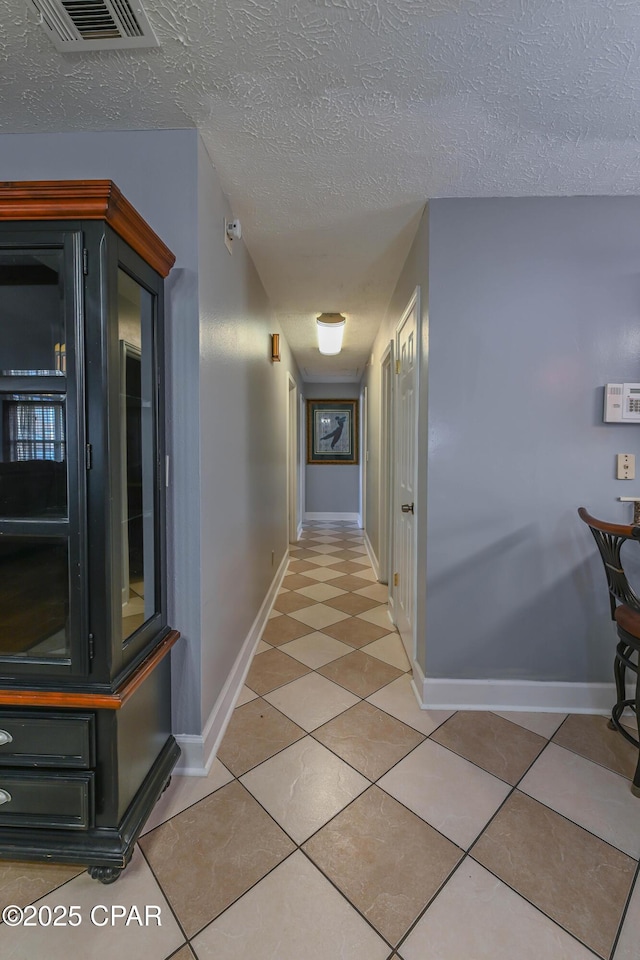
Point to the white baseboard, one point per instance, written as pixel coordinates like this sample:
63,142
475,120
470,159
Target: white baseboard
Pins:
517,695
198,752
299,531
372,556
329,517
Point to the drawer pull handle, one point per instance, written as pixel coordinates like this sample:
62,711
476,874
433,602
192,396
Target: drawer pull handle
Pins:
5,737
5,796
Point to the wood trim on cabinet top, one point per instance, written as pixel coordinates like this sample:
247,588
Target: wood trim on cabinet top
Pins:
92,701
85,200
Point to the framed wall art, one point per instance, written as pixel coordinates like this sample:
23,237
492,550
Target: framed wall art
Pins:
332,431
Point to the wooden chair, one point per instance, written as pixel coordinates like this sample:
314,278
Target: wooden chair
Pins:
625,610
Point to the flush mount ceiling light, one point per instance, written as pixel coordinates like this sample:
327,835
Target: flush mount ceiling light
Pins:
330,331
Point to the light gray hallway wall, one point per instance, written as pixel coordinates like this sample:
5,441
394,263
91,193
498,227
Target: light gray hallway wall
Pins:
243,453
534,305
332,488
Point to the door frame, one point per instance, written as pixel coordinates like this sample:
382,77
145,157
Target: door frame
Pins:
385,482
302,490
364,454
292,459
414,303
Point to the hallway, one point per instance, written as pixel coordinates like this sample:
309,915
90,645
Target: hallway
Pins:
340,821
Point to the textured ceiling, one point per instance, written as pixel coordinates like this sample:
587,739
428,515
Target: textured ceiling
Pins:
330,122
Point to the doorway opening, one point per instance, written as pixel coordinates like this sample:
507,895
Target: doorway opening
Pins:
404,500
292,460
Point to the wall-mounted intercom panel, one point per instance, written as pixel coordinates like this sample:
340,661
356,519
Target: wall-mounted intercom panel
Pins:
622,403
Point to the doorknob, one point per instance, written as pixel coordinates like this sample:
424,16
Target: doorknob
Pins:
407,508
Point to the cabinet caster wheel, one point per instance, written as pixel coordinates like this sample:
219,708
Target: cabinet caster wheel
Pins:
104,874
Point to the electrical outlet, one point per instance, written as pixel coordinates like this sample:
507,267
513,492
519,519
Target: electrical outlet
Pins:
626,466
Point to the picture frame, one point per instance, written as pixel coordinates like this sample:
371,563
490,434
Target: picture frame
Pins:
332,431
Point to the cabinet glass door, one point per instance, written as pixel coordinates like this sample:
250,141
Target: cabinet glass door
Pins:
36,327
138,454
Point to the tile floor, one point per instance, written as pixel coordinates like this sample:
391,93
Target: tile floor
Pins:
340,822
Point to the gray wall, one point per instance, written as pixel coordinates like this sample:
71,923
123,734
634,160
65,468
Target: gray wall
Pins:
533,305
227,402
243,452
332,488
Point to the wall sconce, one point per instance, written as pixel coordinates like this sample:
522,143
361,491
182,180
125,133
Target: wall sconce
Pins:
275,347
330,333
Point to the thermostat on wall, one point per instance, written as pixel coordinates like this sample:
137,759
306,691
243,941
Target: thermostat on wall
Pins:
622,403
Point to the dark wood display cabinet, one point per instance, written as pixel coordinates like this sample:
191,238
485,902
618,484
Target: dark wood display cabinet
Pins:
85,727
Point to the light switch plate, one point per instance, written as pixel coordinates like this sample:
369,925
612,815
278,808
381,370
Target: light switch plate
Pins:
626,466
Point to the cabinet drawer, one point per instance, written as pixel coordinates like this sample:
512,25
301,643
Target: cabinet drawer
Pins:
43,799
46,740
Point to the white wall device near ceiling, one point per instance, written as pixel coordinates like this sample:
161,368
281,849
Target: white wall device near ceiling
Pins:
84,25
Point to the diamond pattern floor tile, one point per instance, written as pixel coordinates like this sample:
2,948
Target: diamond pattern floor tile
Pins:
450,793
407,860
283,629
300,566
498,746
349,582
627,946
242,845
316,649
293,913
273,669
256,731
319,616
303,787
544,724
378,615
359,673
592,738
376,591
322,574
183,792
587,793
368,739
389,649
293,581
559,852
399,700
291,601
498,924
312,700
576,879
321,592
22,883
137,886
356,632
351,604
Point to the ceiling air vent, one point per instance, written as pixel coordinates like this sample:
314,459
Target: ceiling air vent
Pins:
88,25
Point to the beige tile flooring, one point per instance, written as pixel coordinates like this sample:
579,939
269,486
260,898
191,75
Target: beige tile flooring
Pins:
341,822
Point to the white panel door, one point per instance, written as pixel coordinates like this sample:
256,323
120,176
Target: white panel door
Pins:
404,500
